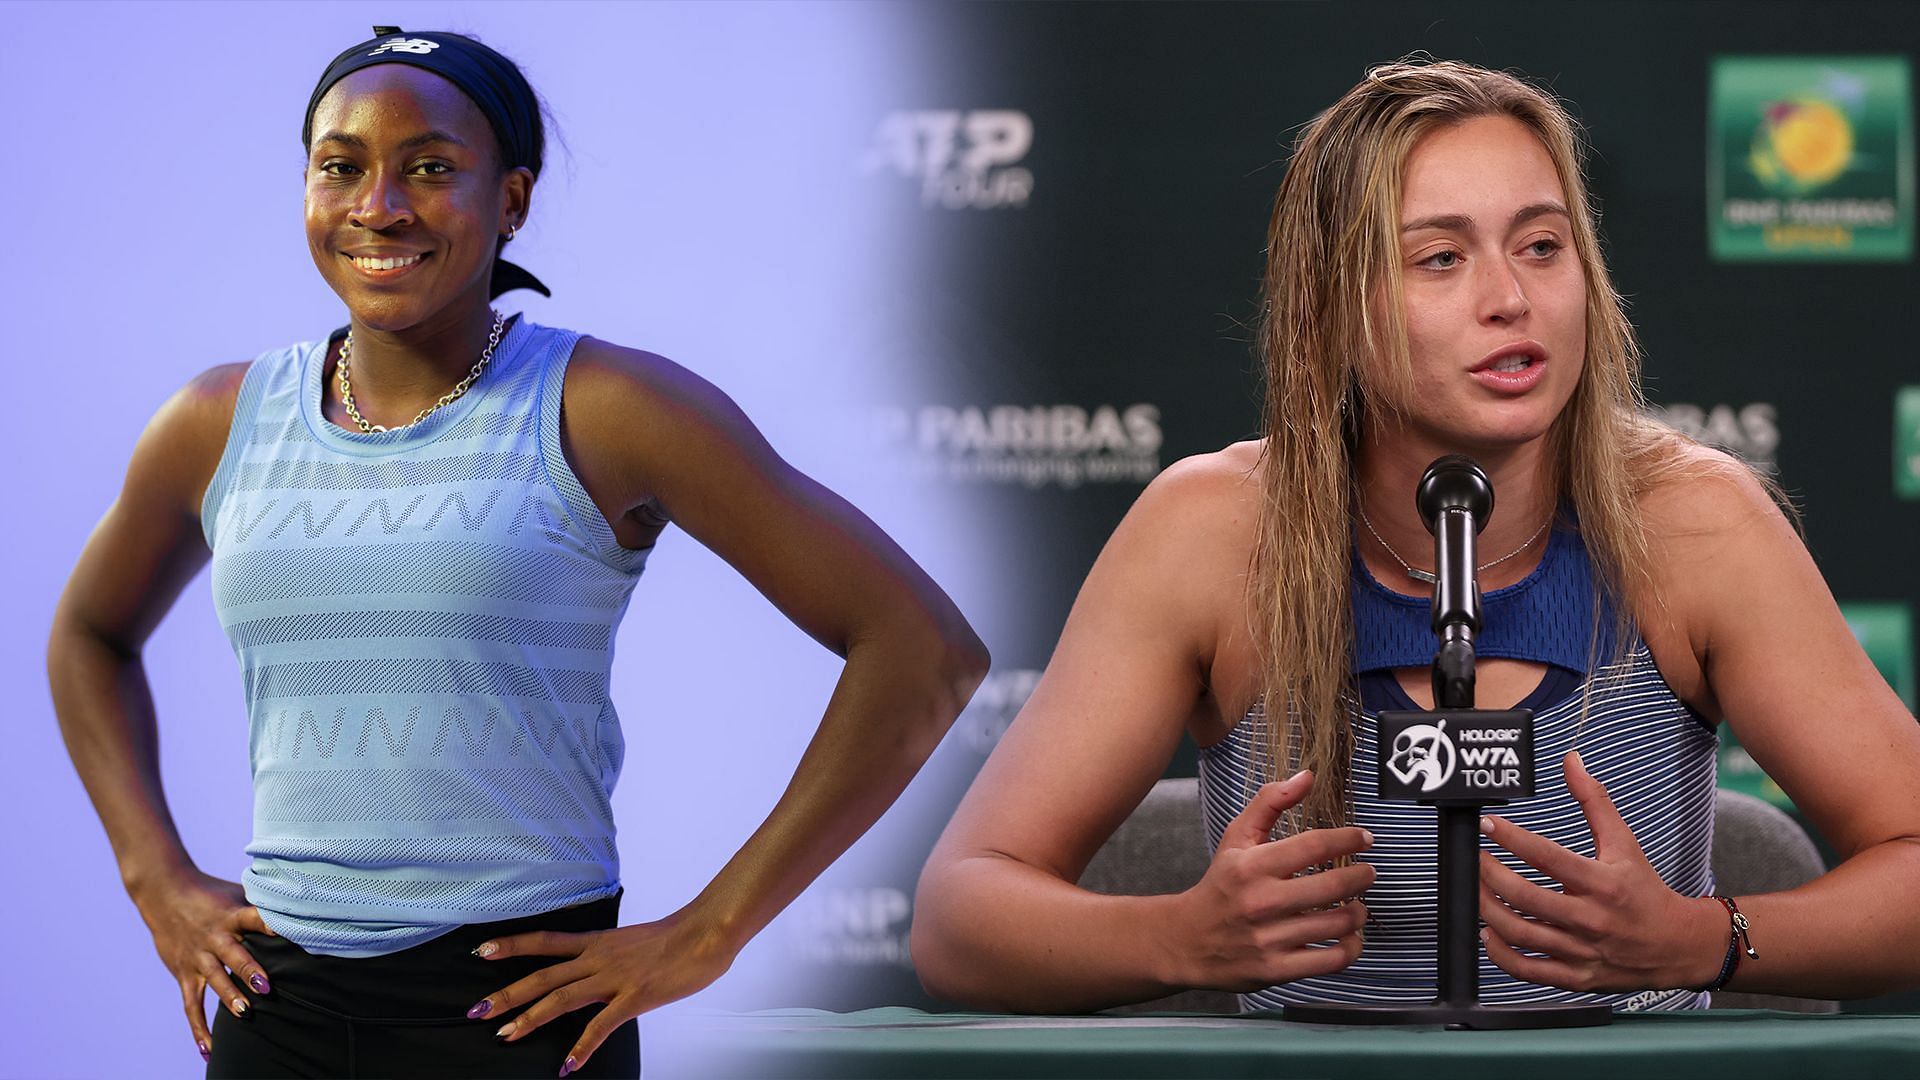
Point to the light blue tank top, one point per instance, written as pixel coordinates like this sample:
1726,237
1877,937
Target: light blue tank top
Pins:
1654,755
424,620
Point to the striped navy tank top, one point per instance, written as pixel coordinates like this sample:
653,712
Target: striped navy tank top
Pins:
424,620
1655,756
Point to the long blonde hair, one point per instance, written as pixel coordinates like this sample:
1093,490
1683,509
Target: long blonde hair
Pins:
1333,246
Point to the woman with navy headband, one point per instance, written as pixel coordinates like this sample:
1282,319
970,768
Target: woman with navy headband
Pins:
423,532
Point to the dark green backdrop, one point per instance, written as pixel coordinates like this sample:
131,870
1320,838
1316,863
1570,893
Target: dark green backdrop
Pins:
1127,279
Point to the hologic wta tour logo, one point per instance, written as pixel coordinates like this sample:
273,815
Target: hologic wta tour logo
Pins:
1482,755
1424,753
1810,158
963,160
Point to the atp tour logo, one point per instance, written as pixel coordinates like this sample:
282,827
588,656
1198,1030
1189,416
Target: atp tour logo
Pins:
1030,445
1423,752
963,160
416,46
1752,431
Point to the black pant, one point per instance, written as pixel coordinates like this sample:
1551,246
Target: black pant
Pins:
405,1013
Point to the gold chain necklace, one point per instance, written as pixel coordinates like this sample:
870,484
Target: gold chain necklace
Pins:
1426,578
448,398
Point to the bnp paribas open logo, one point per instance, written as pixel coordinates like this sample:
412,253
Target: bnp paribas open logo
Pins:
1032,446
1810,158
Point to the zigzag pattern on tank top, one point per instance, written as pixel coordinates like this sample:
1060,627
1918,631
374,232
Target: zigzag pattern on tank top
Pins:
424,620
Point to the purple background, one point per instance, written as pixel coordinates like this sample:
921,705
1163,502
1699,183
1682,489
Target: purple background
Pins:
707,204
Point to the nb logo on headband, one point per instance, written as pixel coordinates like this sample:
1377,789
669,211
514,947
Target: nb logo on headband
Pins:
417,46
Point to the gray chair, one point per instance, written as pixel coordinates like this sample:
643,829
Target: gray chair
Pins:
1162,848
1757,848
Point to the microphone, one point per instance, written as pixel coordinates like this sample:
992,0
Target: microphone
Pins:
1455,499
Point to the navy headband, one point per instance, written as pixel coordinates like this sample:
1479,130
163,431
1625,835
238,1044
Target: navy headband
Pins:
489,80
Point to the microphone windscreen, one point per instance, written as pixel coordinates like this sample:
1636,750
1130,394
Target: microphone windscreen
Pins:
1455,481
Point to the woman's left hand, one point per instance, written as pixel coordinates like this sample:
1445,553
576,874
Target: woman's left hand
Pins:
1617,926
630,968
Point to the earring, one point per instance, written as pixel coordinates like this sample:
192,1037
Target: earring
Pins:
511,230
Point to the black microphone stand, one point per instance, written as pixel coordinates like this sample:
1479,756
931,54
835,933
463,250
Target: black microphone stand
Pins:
1456,621
1456,499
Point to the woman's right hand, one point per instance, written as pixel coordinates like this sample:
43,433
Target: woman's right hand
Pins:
196,920
1252,923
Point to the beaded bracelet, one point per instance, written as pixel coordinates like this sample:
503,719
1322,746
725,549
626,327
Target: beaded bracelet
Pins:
1737,940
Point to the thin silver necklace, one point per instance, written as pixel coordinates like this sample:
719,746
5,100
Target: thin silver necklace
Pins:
1426,578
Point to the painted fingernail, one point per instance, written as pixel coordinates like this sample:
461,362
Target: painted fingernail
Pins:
1486,937
259,983
206,1055
1295,778
240,1007
506,1031
480,1010
1486,826
1367,836
486,950
568,1066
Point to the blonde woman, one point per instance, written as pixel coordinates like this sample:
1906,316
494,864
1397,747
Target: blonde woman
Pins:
1434,285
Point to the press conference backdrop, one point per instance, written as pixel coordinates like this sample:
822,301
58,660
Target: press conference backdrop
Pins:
1096,181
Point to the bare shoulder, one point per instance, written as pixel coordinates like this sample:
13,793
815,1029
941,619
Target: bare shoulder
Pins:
1182,552
603,375
1714,532
149,542
646,434
1704,499
1217,495
1233,466
181,447
221,382
208,399
1196,522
